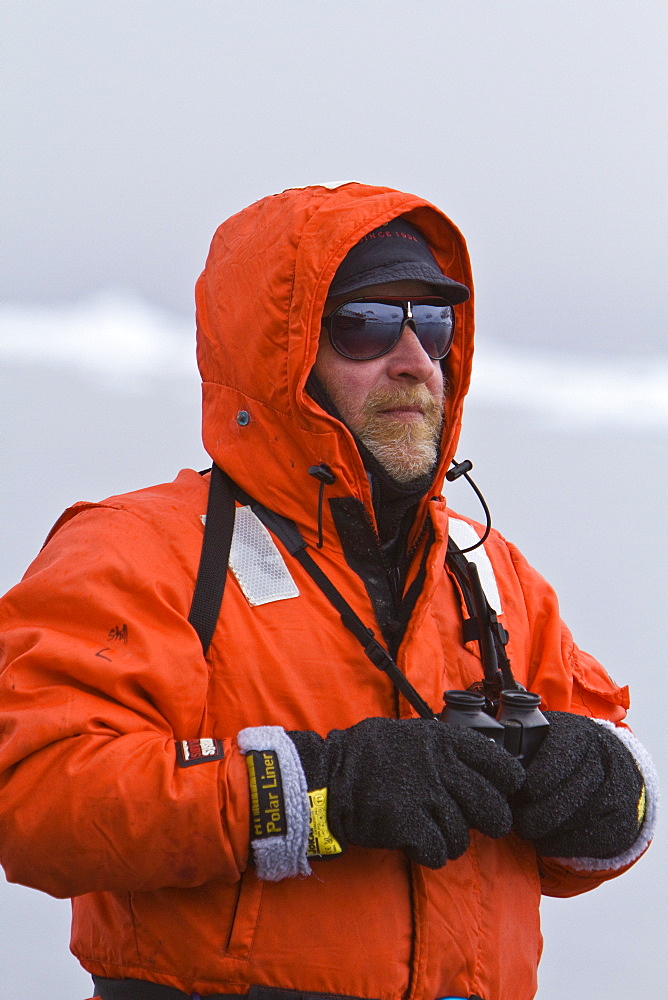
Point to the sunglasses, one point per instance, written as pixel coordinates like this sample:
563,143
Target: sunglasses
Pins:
364,329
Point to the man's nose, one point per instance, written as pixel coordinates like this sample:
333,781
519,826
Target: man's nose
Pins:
408,360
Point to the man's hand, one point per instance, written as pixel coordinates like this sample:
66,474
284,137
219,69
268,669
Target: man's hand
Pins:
411,784
584,794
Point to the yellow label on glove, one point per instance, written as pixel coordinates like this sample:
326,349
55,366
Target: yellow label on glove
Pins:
642,806
320,839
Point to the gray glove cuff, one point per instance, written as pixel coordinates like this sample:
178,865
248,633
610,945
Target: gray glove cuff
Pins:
282,856
647,830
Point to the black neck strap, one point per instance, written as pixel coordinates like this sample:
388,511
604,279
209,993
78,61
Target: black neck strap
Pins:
212,573
208,596
483,626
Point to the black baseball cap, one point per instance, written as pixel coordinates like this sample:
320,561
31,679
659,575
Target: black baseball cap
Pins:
394,252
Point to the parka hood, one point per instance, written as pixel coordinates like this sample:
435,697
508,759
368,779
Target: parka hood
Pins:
259,303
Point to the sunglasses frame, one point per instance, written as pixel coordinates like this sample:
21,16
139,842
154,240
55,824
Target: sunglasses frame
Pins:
407,304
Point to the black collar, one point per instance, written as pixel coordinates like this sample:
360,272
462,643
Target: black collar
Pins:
394,503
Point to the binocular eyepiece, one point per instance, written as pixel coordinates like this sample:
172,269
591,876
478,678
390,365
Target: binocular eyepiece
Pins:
520,727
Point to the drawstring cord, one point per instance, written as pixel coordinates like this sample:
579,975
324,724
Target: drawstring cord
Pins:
325,476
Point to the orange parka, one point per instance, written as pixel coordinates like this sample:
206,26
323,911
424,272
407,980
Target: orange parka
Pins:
102,673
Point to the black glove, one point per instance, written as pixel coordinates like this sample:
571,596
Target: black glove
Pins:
411,784
583,793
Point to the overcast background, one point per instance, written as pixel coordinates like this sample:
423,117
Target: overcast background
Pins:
131,129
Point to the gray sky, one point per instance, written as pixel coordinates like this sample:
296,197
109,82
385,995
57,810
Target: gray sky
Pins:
133,127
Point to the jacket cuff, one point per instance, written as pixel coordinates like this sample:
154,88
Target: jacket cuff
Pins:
283,855
650,778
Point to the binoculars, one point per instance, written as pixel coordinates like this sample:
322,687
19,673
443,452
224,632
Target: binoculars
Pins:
519,727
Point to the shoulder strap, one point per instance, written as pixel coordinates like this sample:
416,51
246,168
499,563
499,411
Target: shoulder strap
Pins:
212,572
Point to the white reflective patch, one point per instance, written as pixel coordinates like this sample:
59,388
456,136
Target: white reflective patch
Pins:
464,534
332,185
256,562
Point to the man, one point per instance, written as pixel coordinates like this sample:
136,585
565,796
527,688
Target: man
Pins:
278,814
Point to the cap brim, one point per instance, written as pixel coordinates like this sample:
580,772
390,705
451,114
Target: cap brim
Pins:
452,291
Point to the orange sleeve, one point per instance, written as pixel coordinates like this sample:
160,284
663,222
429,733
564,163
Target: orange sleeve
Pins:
557,879
568,680
100,674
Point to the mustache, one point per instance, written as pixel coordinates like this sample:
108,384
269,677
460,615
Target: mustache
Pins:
411,395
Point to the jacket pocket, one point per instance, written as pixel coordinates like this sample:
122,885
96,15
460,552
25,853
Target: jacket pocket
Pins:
246,913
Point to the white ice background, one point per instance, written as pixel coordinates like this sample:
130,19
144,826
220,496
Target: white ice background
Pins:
124,342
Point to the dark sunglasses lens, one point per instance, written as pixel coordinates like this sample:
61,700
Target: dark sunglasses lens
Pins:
365,330
435,325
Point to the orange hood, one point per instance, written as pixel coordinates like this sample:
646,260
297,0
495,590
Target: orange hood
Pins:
259,303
